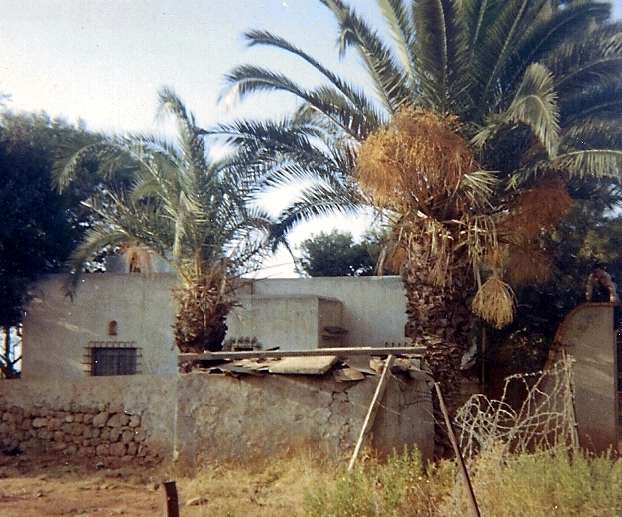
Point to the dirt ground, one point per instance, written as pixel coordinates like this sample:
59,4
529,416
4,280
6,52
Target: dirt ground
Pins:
40,487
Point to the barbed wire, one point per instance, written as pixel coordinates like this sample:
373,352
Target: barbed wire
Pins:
543,421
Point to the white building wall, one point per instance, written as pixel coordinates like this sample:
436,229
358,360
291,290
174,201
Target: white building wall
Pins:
58,330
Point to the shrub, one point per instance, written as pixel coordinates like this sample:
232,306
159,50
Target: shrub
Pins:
548,483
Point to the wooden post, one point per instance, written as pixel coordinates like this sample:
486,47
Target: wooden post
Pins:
371,412
459,458
171,501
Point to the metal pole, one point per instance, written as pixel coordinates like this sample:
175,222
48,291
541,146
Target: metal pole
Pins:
459,458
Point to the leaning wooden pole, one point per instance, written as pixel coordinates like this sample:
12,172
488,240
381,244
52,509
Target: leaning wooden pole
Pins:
170,499
371,412
457,452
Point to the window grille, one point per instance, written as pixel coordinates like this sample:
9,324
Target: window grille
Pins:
113,358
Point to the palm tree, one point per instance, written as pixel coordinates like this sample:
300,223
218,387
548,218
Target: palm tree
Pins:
197,213
483,110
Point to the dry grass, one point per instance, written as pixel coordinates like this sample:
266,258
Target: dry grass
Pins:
541,485
524,485
276,487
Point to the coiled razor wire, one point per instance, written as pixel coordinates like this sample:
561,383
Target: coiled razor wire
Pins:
543,421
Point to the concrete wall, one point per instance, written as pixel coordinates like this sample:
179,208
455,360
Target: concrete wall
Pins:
57,330
373,307
289,313
588,335
293,322
222,418
207,417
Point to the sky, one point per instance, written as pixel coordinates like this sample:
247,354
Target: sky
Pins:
103,61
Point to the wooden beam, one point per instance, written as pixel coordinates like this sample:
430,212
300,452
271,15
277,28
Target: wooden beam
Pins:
170,499
339,352
371,412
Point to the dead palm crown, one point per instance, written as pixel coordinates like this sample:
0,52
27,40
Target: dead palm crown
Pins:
484,111
196,213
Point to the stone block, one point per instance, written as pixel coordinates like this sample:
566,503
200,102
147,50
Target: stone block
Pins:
69,419
132,448
115,434
100,419
102,450
39,422
88,418
44,434
117,449
105,435
127,436
134,421
116,407
54,423
118,420
59,436
71,449
139,434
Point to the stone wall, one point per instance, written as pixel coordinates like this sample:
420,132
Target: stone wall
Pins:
111,435
105,413
201,417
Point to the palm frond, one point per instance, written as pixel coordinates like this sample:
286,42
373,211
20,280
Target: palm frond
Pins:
601,99
535,104
389,78
441,54
579,64
314,201
498,43
354,95
590,162
401,27
547,34
328,101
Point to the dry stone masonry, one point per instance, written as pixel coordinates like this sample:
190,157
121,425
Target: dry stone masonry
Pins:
107,433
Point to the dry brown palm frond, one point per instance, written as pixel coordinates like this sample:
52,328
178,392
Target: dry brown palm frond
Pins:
138,258
495,302
537,209
416,159
527,265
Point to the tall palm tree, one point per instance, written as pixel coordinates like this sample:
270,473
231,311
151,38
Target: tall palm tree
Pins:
482,112
197,213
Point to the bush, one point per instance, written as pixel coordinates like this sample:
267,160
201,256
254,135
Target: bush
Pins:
543,484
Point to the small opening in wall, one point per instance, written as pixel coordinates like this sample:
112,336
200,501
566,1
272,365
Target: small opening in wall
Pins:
112,328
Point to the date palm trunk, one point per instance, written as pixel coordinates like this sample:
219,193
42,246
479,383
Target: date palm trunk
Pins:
202,310
439,318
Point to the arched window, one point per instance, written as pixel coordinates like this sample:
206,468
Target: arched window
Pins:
112,328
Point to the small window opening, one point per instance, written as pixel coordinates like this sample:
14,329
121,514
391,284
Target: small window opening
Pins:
112,328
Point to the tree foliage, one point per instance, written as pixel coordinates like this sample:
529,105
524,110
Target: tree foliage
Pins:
522,90
40,227
337,254
177,203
